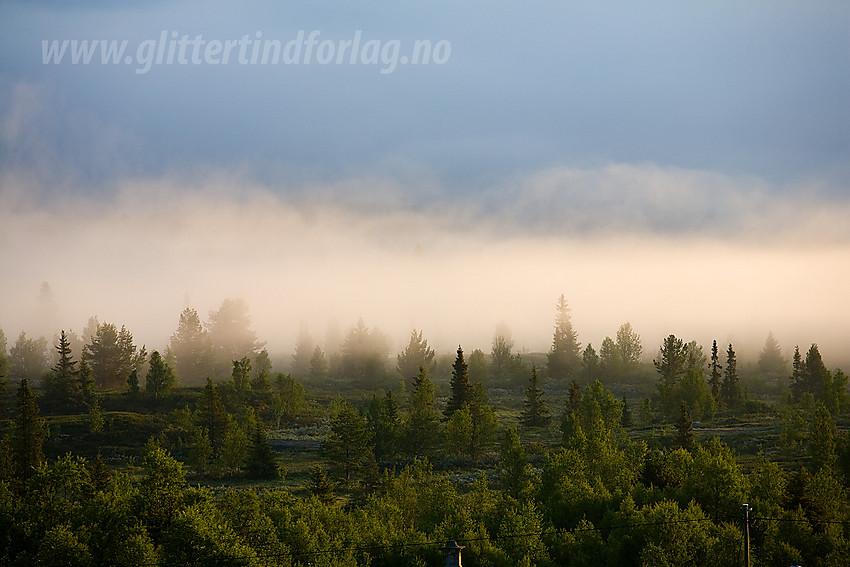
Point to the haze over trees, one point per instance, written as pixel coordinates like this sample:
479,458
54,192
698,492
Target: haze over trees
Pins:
356,462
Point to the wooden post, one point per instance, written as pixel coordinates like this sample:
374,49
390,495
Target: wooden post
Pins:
746,510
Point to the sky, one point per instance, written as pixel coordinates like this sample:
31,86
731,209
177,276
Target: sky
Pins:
683,167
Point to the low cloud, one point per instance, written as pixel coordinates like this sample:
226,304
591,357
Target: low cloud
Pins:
672,251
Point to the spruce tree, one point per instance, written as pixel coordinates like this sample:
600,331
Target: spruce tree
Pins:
626,419
536,413
714,379
213,417
685,428
771,360
797,375
62,386
730,388
86,384
423,420
563,358
460,387
160,379
261,461
417,354
28,436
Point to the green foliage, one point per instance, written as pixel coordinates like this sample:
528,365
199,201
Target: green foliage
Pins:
417,354
112,355
159,491
514,466
28,435
730,388
160,379
199,536
28,357
261,460
461,390
422,426
364,356
536,413
230,335
671,366
288,401
563,360
192,350
347,444
771,361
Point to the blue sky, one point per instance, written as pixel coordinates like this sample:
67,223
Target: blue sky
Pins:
755,88
718,127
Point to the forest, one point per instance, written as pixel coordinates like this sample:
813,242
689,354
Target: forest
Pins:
213,451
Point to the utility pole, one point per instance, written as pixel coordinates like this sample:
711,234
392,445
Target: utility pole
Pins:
746,510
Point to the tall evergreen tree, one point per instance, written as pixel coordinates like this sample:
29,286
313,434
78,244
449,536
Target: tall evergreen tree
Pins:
304,351
160,379
685,428
798,385
731,388
770,359
460,386
671,367
230,335
191,347
28,435
423,420
318,364
86,384
417,354
500,355
536,413
629,346
212,416
112,355
514,465
240,377
347,443
591,364
261,462
816,377
28,357
563,358
62,384
714,378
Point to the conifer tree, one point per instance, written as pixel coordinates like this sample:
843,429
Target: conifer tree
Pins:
347,443
62,385
714,378
261,462
536,413
318,364
423,420
191,347
685,428
85,380
160,379
460,387
731,388
770,359
671,367
816,377
626,419
28,436
797,378
212,416
563,358
133,384
320,486
417,354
